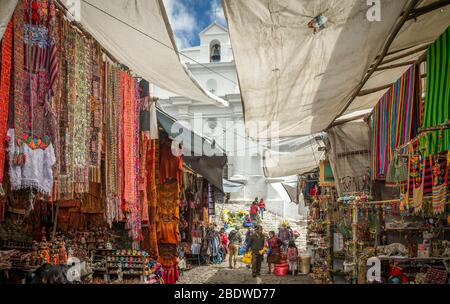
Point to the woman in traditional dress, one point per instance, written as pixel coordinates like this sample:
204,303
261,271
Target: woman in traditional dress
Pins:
274,250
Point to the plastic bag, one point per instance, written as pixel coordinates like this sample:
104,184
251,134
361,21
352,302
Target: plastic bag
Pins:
247,258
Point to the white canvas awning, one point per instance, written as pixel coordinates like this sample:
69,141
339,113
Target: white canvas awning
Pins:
138,34
291,156
296,82
6,10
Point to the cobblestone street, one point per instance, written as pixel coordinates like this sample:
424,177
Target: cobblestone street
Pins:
222,274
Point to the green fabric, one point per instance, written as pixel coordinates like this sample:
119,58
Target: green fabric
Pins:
437,105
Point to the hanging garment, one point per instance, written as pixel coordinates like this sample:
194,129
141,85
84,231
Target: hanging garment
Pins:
36,173
437,100
417,173
171,166
152,197
440,184
168,213
5,81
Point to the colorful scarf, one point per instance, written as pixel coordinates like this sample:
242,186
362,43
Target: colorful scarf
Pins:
437,102
79,79
6,57
392,123
130,154
97,116
152,173
112,146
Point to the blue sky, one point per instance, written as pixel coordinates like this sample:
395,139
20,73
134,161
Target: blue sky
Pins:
189,17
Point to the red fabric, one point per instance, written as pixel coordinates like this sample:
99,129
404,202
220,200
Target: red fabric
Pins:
254,209
224,239
4,91
171,166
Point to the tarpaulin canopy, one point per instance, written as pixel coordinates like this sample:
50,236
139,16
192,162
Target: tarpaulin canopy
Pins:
291,156
292,191
349,156
6,10
231,187
138,34
199,154
411,43
295,80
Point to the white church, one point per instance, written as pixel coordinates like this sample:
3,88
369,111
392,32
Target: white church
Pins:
212,64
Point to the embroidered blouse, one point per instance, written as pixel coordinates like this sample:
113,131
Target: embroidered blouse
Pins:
37,171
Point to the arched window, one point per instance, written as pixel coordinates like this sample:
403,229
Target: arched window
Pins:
215,51
211,85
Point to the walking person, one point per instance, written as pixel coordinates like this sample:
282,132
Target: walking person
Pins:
224,242
292,255
283,235
256,246
274,256
262,207
254,211
235,240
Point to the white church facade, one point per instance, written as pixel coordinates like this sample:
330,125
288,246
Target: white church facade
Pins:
212,64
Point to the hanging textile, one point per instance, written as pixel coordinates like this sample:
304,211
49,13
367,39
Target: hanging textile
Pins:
129,155
5,77
153,161
96,108
35,69
168,213
144,147
437,100
440,184
349,157
128,140
113,106
392,123
171,166
417,178
79,79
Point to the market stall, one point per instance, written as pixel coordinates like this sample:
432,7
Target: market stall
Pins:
88,172
385,218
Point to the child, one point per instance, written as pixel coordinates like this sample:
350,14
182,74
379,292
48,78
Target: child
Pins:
292,255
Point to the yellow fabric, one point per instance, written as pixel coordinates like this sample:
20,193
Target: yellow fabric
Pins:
247,258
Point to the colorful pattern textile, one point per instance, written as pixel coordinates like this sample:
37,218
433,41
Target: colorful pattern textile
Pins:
171,166
36,173
36,66
153,156
168,213
437,101
392,122
5,74
440,184
134,206
96,108
128,139
113,175
79,78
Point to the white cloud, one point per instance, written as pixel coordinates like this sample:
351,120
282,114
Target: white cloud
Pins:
184,24
219,14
